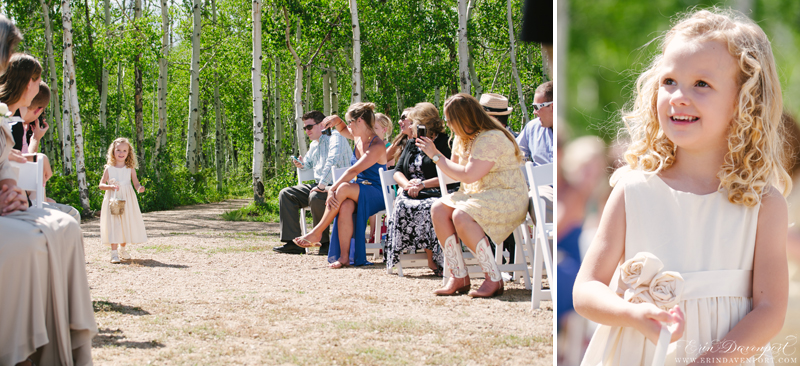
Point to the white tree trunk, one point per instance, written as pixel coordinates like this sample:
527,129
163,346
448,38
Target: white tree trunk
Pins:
219,139
161,137
120,77
514,63
66,126
278,130
357,88
258,113
298,108
192,150
326,90
51,62
138,84
104,80
473,76
463,48
307,104
334,91
83,188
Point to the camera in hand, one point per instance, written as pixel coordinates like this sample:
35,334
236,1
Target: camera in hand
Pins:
420,131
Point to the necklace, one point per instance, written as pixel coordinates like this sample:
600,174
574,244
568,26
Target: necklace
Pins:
468,144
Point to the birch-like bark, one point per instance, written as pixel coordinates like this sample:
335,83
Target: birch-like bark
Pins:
104,77
258,114
357,88
120,77
192,150
138,95
66,126
69,63
513,54
473,76
334,91
51,62
161,137
219,139
278,130
463,48
326,90
307,105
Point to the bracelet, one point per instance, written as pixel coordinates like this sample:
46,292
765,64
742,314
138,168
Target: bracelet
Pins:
423,184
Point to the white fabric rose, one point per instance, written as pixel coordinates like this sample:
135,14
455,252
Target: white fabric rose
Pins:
4,110
638,295
640,269
666,289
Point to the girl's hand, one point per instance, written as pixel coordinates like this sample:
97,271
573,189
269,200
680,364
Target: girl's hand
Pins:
38,132
649,317
140,190
426,145
332,202
12,198
331,121
17,156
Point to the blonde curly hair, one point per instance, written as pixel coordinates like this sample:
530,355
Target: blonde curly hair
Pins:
755,137
130,161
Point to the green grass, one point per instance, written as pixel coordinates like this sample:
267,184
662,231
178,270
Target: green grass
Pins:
238,249
158,248
269,211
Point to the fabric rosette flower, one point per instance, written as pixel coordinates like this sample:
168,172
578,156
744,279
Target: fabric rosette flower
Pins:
666,289
4,112
639,295
639,270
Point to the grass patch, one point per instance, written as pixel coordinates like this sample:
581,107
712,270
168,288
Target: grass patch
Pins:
158,248
238,249
511,340
269,211
401,326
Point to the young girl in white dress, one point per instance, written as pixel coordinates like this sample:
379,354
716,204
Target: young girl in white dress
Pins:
120,178
690,254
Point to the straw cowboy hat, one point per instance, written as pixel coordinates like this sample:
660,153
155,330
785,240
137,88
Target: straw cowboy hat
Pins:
495,104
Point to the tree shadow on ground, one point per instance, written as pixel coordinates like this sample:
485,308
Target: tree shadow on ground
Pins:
153,263
106,306
114,338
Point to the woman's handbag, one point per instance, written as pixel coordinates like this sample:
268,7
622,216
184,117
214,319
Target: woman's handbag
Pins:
116,205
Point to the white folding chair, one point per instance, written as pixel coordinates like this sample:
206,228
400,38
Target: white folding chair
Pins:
376,247
540,176
302,176
416,259
30,177
519,266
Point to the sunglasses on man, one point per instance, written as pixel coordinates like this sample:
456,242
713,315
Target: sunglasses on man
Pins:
309,127
538,106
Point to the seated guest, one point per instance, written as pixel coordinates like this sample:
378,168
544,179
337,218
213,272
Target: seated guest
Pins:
496,106
410,227
396,147
46,313
349,205
328,149
492,199
536,139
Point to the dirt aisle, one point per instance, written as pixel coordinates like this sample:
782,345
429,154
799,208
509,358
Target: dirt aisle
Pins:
211,292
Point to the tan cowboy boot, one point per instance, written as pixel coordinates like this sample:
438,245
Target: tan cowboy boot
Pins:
493,284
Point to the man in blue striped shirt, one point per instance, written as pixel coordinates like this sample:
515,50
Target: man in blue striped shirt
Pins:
328,149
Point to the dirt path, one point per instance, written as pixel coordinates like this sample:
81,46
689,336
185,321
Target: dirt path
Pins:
211,292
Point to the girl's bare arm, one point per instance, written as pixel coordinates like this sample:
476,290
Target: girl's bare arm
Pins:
104,182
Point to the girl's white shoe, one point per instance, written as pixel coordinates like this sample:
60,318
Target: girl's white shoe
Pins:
114,257
124,253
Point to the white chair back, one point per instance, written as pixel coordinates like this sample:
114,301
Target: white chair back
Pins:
387,181
31,178
302,176
338,172
541,176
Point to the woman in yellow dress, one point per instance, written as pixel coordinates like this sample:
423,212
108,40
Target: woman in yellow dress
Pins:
492,200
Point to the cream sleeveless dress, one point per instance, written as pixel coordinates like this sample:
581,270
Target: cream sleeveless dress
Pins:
127,228
705,238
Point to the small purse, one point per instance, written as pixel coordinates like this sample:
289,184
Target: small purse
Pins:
116,205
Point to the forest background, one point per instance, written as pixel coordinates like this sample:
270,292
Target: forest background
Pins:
209,91
606,44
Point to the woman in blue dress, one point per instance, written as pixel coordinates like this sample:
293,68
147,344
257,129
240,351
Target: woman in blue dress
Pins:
349,205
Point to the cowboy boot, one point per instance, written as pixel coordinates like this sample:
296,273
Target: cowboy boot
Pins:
493,284
458,283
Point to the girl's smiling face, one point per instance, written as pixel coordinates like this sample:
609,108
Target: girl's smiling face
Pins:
121,152
697,93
